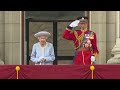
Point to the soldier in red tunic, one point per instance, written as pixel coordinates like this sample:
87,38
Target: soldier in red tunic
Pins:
84,41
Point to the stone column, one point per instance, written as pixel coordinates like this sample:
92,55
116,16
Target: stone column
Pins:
111,33
116,48
90,20
98,25
12,37
2,39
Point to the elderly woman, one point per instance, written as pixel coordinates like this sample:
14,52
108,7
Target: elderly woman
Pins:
43,51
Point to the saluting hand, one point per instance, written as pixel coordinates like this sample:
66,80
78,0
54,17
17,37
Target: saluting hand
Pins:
73,24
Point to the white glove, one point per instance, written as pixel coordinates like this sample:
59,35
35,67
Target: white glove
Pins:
74,23
92,58
39,60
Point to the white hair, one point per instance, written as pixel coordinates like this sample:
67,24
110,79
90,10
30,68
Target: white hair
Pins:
43,35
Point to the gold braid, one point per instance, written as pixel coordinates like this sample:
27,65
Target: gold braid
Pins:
78,38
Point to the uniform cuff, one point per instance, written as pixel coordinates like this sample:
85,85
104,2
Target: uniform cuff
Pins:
69,27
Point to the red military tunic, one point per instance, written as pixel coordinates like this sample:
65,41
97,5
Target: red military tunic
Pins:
85,45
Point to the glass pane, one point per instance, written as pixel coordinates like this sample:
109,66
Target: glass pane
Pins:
35,27
65,47
54,15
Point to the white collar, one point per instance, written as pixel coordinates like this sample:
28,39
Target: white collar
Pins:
44,46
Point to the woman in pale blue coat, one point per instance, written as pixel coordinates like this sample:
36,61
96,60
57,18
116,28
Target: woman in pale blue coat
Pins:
43,51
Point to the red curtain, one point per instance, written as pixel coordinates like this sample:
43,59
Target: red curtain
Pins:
107,71
55,72
7,72
60,72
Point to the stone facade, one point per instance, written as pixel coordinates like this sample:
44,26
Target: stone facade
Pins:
102,22
10,37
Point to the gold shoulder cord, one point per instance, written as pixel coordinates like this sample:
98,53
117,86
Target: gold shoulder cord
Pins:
78,38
